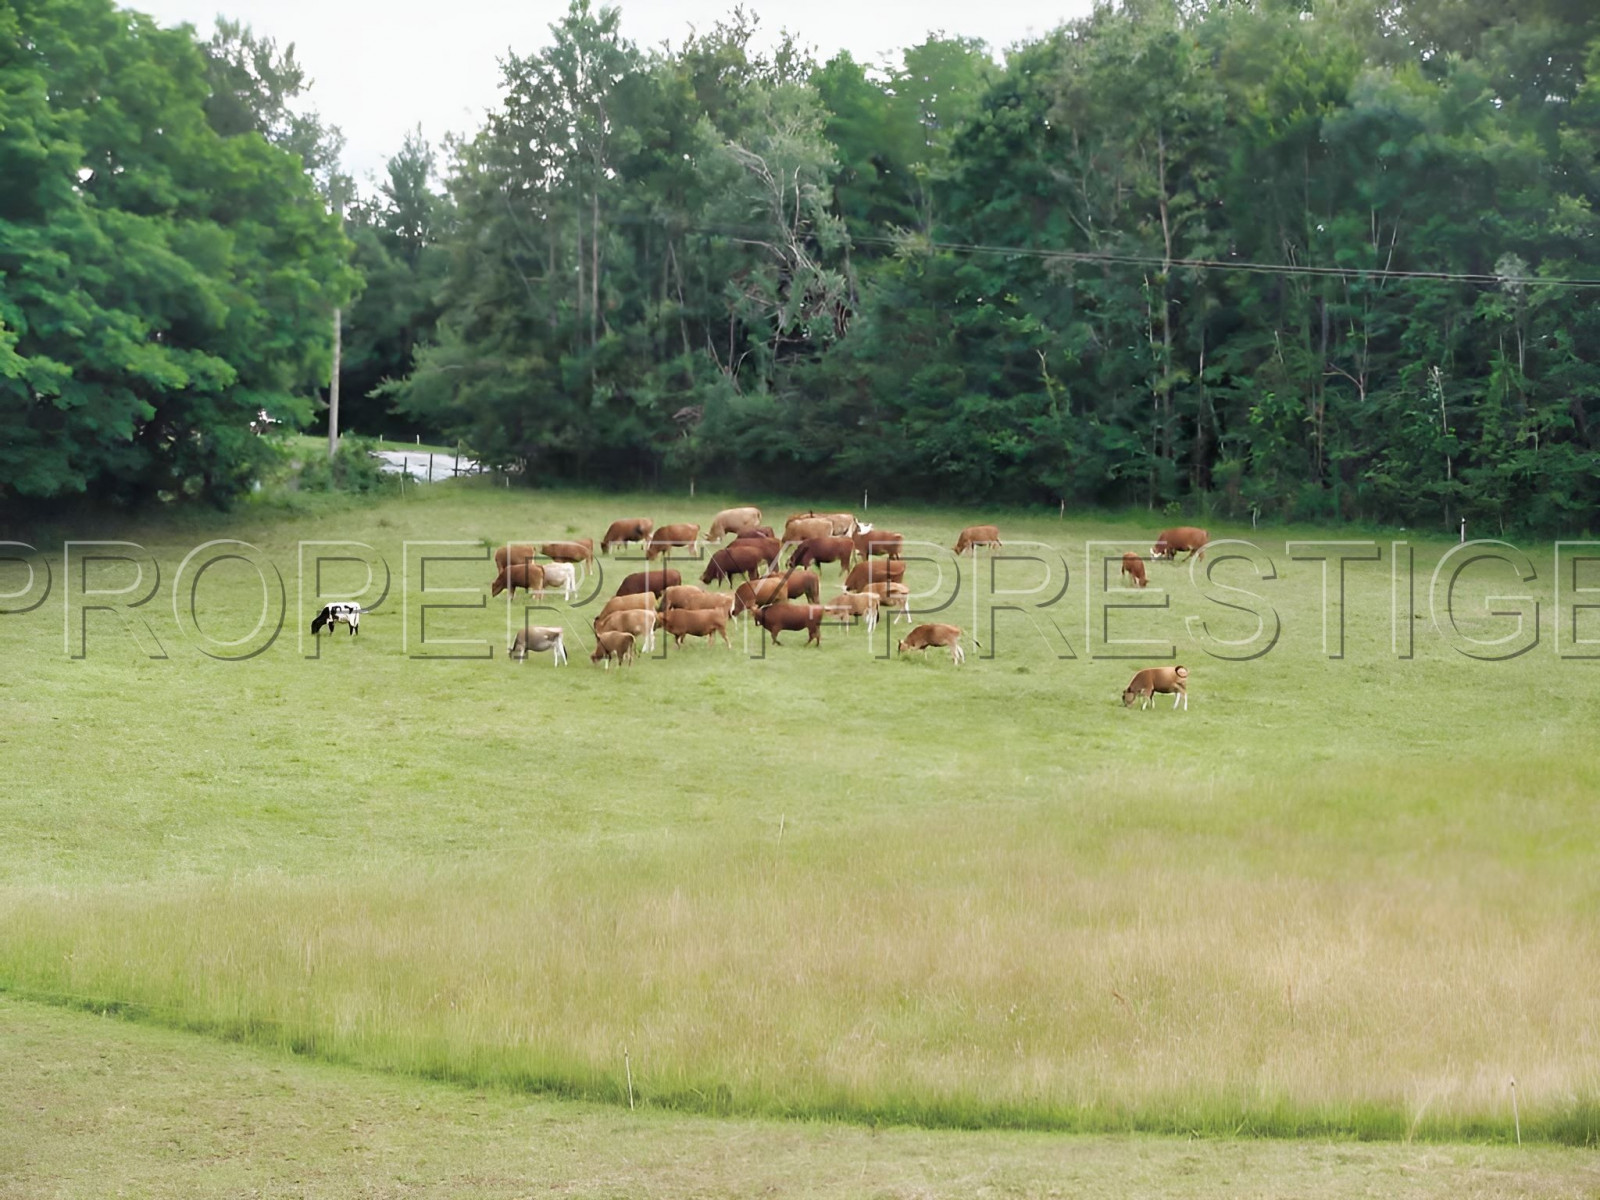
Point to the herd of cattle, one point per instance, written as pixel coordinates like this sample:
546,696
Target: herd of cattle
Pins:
770,591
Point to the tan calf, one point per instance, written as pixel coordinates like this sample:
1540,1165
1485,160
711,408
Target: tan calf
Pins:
896,596
924,636
977,535
639,622
851,606
1133,567
1166,680
617,644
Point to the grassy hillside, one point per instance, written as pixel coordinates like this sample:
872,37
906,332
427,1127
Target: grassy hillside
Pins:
1349,895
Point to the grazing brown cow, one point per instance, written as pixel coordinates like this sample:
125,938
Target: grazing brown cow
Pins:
515,552
839,523
578,551
769,589
813,551
870,541
863,573
851,606
641,622
1133,565
771,547
977,535
924,636
639,602
528,576
733,520
678,597
799,529
776,618
650,581
668,536
630,529
537,639
799,583
615,643
699,601
702,622
1166,680
1185,537
747,558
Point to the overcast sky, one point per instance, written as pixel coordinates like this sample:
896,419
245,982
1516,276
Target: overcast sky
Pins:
381,67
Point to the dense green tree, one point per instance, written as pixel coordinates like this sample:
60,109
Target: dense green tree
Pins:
160,284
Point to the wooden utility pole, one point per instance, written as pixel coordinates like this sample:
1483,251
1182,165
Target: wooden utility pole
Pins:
338,340
333,387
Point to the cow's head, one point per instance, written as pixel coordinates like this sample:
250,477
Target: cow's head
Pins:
864,527
1161,550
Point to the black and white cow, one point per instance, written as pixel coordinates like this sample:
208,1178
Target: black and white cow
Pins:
344,611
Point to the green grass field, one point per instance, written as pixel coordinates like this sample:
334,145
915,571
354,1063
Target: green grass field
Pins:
1346,897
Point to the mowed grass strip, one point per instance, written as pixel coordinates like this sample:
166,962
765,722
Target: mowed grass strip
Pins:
1352,895
98,1107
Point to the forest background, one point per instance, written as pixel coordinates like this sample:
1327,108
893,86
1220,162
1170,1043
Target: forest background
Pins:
1307,259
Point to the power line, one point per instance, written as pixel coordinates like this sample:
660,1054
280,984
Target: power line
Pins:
1114,258
1097,257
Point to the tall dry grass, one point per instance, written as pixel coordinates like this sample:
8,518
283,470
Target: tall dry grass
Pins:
965,968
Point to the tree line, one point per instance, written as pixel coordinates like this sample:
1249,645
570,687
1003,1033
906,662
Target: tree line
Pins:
1306,258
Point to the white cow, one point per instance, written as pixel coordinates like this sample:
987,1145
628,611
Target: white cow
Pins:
539,638
563,576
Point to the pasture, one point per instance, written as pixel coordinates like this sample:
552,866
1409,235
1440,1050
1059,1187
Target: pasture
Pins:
1346,897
